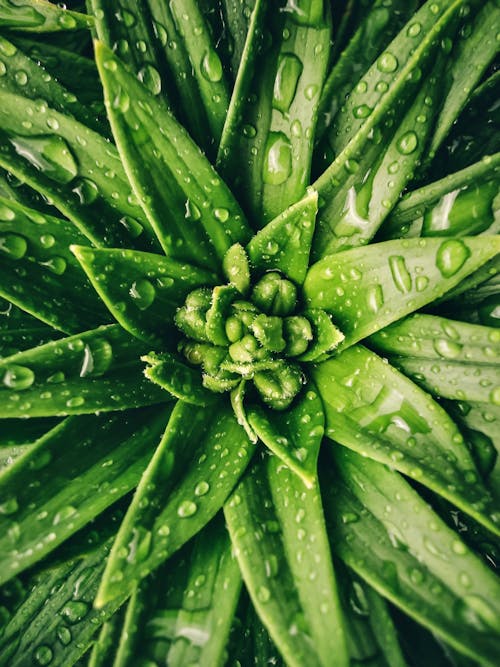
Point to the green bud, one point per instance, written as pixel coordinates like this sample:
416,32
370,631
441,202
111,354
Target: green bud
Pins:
297,332
278,387
199,299
192,323
268,330
245,350
234,328
275,295
236,268
221,383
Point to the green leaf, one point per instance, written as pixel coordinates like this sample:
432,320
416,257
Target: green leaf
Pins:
106,459
103,649
371,408
236,268
266,151
467,64
326,336
182,614
41,16
73,166
461,204
448,358
386,281
294,436
180,380
285,242
277,526
39,273
420,565
20,331
99,370
24,76
169,173
142,290
181,490
21,432
350,214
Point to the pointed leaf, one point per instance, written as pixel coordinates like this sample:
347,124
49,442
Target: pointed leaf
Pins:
326,336
236,268
294,435
105,461
178,379
371,408
41,16
285,242
141,290
461,204
39,273
277,526
20,331
203,219
181,490
74,167
103,649
99,370
388,280
237,402
36,84
420,565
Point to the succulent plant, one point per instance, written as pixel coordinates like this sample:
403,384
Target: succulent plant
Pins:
249,372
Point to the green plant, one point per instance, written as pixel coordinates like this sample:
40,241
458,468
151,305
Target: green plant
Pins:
249,377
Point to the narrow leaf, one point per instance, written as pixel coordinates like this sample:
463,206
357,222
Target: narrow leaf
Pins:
180,380
41,16
388,280
181,490
371,408
295,435
104,648
142,290
285,242
277,526
39,273
420,565
105,461
73,166
204,219
99,370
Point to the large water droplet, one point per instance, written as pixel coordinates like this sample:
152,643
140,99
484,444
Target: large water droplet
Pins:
49,154
13,245
408,143
151,78
451,256
186,509
86,190
18,377
285,84
447,348
43,655
278,159
74,611
387,62
400,274
211,66
143,293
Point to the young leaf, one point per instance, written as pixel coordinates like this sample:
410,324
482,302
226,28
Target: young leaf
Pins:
99,370
105,461
181,490
285,242
277,526
371,408
39,273
420,565
180,380
142,290
76,168
386,281
448,358
204,219
104,648
41,16
294,436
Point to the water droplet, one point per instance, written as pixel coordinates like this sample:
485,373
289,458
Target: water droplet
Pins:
375,298
211,66
75,402
47,241
407,143
451,256
201,488
9,506
151,78
186,509
143,293
447,348
49,154
387,62
495,396
421,283
222,214
86,190
278,159
13,245
192,212
44,655
310,92
74,611
56,265
18,377
63,514
21,77
363,111
400,274
64,635
133,227
414,29
285,84
349,517
67,21
6,213
263,594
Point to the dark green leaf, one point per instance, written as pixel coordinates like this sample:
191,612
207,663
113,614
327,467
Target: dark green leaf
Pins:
104,648
41,16
387,534
99,370
203,453
180,380
371,408
365,289
277,527
105,460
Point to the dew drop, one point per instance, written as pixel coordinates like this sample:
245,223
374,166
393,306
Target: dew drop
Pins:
387,62
408,143
43,655
13,245
451,256
286,81
49,154
278,159
18,377
186,509
143,293
74,611
211,66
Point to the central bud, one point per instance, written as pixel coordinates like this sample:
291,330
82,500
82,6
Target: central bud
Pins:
258,338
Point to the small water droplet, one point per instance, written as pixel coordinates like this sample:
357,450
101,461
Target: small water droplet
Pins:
447,348
408,143
186,509
201,488
9,506
74,611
